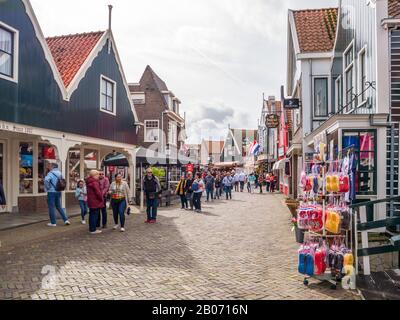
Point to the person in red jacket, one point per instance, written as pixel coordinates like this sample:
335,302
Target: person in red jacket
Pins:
95,200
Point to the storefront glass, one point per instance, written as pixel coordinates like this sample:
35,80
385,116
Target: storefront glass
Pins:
363,145
47,154
90,161
26,168
74,167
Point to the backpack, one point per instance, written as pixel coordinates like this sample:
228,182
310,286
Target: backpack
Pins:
61,184
195,186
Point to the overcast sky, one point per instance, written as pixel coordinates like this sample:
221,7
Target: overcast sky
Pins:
217,56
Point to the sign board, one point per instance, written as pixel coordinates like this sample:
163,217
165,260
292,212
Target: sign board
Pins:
291,103
111,169
281,151
190,168
272,121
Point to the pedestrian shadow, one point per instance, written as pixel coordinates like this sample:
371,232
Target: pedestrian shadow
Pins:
206,213
112,255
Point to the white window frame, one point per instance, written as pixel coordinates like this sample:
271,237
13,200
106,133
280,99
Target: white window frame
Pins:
346,69
15,34
338,93
145,131
362,52
327,93
114,113
172,136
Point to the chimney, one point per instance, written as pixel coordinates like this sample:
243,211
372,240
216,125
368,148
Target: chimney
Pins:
110,7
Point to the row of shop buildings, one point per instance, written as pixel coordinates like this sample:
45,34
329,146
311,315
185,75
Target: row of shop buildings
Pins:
342,90
66,99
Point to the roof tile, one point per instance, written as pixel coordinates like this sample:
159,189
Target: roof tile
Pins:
394,8
316,29
71,51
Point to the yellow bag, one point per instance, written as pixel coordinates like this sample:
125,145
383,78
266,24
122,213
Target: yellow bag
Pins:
332,224
348,259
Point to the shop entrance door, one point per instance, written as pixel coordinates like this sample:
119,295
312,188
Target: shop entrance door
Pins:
2,169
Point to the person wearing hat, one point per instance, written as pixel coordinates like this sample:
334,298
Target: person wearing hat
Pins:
152,189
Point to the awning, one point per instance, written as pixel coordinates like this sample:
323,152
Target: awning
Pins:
280,165
295,148
118,160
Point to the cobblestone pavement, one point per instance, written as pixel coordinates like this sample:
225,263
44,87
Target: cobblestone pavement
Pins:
241,249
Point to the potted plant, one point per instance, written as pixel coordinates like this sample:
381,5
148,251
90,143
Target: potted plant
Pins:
293,205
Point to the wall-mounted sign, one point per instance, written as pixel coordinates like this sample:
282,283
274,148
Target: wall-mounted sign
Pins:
281,151
272,121
292,104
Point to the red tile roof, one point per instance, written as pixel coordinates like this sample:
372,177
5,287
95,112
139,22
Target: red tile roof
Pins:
70,52
394,8
316,29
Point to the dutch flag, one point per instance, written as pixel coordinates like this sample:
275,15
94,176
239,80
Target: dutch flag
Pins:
254,148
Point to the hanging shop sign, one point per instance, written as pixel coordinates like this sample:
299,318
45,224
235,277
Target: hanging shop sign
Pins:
272,121
190,168
292,103
281,151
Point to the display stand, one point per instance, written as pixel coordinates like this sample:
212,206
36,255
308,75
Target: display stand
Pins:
330,276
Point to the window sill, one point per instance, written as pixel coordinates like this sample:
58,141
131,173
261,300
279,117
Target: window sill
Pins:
8,78
108,112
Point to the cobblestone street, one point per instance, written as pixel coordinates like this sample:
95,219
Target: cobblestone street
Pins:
235,250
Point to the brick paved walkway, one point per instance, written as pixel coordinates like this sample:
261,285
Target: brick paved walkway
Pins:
235,250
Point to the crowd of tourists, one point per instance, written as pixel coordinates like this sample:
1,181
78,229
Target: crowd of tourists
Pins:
96,194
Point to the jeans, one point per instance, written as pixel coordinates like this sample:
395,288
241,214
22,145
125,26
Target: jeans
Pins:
152,205
119,208
93,217
217,192
228,192
184,202
197,200
54,203
103,213
189,197
248,187
84,209
241,186
261,188
210,192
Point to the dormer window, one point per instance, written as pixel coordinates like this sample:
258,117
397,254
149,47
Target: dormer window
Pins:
8,53
108,95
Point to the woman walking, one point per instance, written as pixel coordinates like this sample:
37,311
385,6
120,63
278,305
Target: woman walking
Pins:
218,185
181,192
261,182
94,200
198,189
252,181
119,191
81,196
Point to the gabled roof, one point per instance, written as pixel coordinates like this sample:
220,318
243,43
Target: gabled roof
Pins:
394,9
316,29
70,52
214,146
157,80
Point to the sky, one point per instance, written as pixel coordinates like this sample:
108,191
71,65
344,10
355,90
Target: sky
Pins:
218,56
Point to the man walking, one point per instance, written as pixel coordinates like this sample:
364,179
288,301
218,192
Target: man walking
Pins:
242,180
236,181
228,185
210,184
152,189
53,187
104,187
188,189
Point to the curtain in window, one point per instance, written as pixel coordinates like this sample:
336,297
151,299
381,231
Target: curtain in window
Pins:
5,52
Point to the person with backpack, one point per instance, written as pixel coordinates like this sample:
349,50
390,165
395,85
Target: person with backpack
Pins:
181,192
210,184
81,196
188,190
54,184
94,200
198,189
152,189
228,183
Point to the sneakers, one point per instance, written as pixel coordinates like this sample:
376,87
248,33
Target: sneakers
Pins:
116,227
153,221
122,229
67,223
147,221
51,225
83,222
97,232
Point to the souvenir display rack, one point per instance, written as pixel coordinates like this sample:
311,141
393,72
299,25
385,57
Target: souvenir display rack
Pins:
323,197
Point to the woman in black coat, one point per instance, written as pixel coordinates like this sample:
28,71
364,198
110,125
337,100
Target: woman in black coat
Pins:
2,197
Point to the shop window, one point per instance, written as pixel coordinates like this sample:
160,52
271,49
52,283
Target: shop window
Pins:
26,168
320,97
47,155
363,145
74,167
90,161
